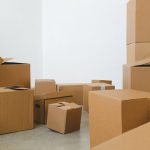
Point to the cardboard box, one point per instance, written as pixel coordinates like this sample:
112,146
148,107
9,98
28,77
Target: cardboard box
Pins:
137,139
16,110
41,104
136,76
113,112
64,117
75,88
93,87
102,81
44,86
14,74
137,51
138,21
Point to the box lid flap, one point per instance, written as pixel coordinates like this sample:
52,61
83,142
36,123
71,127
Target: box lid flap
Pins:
3,60
141,62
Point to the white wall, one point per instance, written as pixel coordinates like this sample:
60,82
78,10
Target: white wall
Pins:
21,32
84,40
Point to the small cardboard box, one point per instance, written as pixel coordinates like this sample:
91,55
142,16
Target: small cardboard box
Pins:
137,76
93,87
138,21
137,139
75,88
14,74
44,86
16,110
41,104
64,117
102,81
137,52
113,112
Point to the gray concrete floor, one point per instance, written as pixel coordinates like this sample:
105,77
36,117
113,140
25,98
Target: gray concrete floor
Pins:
42,138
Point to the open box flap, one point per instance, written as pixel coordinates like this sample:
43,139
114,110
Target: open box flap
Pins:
3,60
141,62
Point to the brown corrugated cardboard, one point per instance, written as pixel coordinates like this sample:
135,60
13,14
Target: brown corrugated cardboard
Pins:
75,88
138,14
15,74
16,110
113,112
102,81
44,86
64,117
93,87
137,51
137,139
42,101
136,76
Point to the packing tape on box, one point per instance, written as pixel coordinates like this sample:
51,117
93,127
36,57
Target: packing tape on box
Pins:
102,87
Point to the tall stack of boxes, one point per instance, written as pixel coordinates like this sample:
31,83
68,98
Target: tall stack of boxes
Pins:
137,70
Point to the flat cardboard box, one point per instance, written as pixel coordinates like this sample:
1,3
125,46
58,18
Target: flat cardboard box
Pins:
14,74
16,110
137,51
41,104
102,81
44,86
137,139
138,21
113,112
93,87
64,117
75,88
137,76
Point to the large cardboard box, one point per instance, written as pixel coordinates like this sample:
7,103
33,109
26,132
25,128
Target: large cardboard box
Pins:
137,139
41,104
113,112
138,14
64,117
75,88
137,51
14,74
137,76
93,87
16,110
44,86
102,81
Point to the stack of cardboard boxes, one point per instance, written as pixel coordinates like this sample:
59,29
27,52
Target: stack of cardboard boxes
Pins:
137,71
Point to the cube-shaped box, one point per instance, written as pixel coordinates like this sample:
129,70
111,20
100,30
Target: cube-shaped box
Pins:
93,87
137,75
16,110
137,139
41,104
113,112
64,117
138,21
75,88
14,74
137,52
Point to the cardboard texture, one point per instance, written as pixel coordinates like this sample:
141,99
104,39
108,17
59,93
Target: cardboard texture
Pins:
137,139
16,110
136,76
113,112
137,51
138,21
44,86
41,104
93,87
15,74
75,88
102,81
64,117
